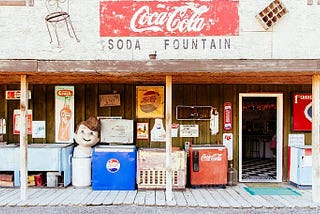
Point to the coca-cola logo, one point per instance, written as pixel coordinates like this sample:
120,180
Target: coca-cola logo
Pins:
186,18
211,157
169,18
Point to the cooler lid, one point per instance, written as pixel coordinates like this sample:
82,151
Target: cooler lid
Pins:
208,146
114,148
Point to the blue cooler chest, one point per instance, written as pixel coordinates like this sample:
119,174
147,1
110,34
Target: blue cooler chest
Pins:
114,167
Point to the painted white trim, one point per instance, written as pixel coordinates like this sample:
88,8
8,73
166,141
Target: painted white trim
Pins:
279,131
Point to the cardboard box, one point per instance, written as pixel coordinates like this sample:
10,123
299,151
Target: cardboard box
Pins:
6,183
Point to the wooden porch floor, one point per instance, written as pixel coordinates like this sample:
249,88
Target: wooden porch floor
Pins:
230,197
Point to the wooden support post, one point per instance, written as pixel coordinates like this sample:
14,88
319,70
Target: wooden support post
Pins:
168,138
316,138
23,138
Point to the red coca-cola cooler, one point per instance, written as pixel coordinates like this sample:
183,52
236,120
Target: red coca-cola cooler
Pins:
208,165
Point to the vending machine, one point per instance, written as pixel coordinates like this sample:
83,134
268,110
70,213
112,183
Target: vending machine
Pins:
208,165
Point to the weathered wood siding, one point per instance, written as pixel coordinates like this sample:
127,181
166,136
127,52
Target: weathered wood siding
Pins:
87,104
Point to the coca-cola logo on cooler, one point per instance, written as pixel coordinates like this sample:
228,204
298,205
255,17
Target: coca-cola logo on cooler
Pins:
211,157
170,18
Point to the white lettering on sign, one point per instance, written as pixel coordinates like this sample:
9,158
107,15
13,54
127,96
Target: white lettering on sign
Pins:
213,157
179,19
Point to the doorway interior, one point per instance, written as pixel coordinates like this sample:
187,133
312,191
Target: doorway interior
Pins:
260,128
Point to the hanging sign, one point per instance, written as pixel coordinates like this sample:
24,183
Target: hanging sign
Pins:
38,129
17,121
150,102
15,95
302,112
125,18
189,130
227,116
107,100
227,139
142,131
158,133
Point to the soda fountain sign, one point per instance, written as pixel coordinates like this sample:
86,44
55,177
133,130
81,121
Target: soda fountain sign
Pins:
169,18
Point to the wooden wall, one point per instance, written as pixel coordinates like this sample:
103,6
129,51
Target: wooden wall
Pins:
87,104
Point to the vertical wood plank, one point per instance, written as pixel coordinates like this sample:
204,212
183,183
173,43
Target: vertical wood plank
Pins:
177,99
128,101
80,108
168,138
50,113
23,138
118,110
203,99
11,105
104,89
315,138
189,99
3,109
38,107
91,101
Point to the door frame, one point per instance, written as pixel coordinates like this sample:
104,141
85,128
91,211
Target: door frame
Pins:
279,132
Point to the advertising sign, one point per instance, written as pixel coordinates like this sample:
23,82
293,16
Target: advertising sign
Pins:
302,112
169,18
17,121
142,131
15,94
150,102
227,116
64,113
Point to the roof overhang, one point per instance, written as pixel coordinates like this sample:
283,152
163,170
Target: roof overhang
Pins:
154,71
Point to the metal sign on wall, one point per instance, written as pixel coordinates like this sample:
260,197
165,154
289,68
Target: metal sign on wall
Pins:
302,112
169,18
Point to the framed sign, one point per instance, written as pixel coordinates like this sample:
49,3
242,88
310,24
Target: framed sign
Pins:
64,113
227,116
302,112
150,102
16,121
116,131
107,100
189,130
38,129
142,131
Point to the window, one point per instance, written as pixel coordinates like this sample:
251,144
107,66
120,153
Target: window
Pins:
16,2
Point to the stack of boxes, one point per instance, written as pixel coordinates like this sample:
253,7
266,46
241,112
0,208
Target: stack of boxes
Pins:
6,180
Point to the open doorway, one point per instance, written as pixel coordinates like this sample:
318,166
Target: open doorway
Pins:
260,137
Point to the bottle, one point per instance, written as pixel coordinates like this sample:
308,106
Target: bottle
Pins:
65,120
232,176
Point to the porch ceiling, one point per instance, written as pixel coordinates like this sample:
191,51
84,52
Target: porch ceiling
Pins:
154,71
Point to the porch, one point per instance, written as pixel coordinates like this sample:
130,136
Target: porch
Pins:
230,197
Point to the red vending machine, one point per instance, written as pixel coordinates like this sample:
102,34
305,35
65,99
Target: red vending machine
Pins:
208,165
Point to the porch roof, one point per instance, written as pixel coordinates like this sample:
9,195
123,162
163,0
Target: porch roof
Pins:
230,71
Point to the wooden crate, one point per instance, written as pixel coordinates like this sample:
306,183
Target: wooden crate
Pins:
151,169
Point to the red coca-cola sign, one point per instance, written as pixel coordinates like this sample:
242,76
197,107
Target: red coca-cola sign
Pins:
169,18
